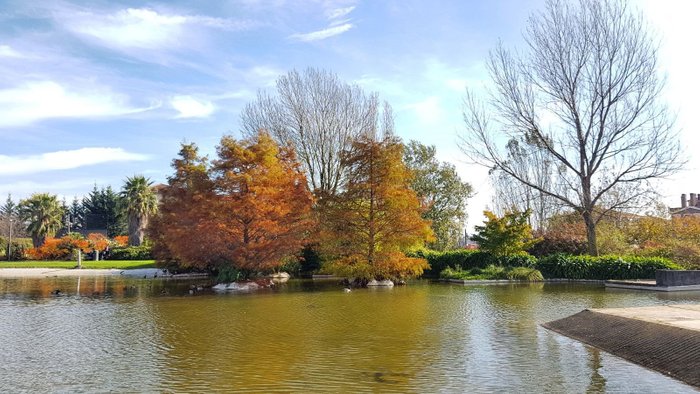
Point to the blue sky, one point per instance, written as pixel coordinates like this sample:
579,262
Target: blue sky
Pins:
95,91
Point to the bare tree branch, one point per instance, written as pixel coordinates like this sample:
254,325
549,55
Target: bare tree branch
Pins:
585,96
318,115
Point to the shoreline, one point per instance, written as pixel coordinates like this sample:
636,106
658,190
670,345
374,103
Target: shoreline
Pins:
147,273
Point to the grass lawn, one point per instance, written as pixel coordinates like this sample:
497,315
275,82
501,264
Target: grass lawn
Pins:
118,264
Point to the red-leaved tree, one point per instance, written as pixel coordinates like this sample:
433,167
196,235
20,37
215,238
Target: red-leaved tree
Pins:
250,209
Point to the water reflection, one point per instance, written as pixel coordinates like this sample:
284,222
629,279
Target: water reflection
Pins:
120,334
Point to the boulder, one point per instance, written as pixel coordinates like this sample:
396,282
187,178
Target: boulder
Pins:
385,282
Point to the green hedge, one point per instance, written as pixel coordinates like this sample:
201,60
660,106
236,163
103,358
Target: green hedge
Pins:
130,253
463,259
561,266
603,267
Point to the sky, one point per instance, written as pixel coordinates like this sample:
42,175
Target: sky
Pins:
94,91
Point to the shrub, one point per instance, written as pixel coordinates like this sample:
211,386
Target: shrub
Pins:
20,247
466,260
558,244
58,248
310,260
121,240
228,274
603,267
493,272
525,273
130,253
460,258
521,259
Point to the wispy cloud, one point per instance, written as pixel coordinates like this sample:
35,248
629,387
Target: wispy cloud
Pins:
36,101
64,160
428,110
190,107
8,51
142,28
25,188
338,13
322,34
338,24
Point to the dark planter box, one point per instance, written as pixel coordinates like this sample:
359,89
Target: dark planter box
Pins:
668,278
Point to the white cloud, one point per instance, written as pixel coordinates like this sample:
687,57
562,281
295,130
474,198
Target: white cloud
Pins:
64,160
35,101
7,51
322,34
143,28
337,13
458,85
428,110
64,189
190,107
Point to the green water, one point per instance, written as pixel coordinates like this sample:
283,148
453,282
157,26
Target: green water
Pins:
126,335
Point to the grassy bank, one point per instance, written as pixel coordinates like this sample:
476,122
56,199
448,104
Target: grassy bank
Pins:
106,264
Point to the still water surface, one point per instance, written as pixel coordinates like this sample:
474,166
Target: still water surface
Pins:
129,335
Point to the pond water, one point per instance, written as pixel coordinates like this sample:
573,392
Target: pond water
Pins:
130,335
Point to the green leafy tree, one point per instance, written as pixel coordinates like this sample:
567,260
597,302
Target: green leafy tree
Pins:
441,191
9,208
103,211
77,215
43,213
368,226
140,202
505,235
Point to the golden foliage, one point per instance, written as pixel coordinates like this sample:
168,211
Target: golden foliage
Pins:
377,216
250,208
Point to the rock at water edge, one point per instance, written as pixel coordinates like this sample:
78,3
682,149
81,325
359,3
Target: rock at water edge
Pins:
385,282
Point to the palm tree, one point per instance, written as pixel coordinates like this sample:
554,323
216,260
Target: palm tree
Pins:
43,213
140,202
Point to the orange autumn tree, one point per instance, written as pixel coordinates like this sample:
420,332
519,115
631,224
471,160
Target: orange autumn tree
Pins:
59,248
96,243
250,209
376,216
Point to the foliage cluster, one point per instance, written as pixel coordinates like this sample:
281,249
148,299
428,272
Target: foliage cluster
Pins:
603,267
554,266
505,235
677,239
442,193
463,259
142,252
248,210
20,246
367,226
493,272
63,248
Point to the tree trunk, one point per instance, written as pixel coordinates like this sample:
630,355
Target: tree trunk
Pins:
590,233
135,231
38,240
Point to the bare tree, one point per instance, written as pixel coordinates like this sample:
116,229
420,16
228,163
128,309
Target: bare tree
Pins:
318,115
586,91
512,195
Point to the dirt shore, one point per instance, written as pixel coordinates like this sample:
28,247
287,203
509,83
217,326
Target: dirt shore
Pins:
51,272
